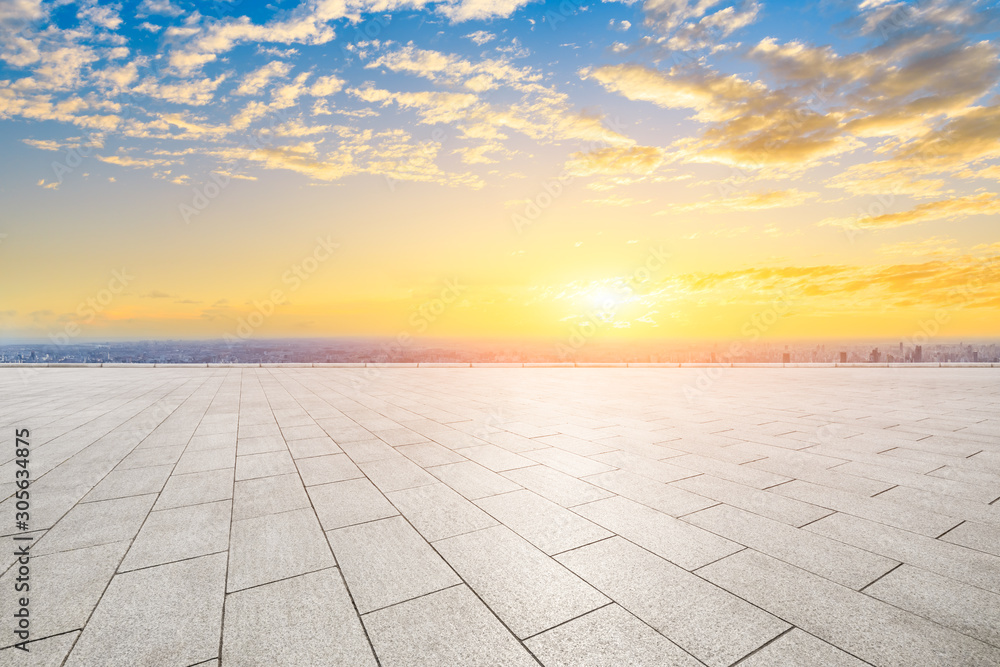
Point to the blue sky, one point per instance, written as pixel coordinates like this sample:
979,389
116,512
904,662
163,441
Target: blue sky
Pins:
847,151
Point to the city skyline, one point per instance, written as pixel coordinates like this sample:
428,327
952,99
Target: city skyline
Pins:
467,170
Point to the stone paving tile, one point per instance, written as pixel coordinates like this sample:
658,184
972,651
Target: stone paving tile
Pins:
396,474
715,626
171,615
386,562
661,497
196,488
975,536
48,652
770,505
276,546
839,562
528,590
567,462
443,629
970,610
268,495
870,629
207,459
796,649
495,458
369,449
545,524
263,465
326,469
607,637
180,533
309,447
973,567
437,512
877,509
54,606
350,502
556,486
677,541
306,620
473,480
640,465
427,454
90,524
838,476
134,482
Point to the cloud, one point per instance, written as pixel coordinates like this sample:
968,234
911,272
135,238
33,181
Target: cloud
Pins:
157,8
751,202
616,160
480,37
936,246
157,294
479,10
192,92
254,82
986,203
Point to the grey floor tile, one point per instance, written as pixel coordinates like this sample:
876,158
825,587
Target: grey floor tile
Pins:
346,503
268,495
207,459
326,469
972,567
661,497
472,480
438,512
180,533
260,444
495,458
558,487
797,648
545,524
301,449
607,637
64,588
867,628
679,542
396,474
306,620
91,524
196,488
708,622
877,509
48,652
172,615
386,562
276,546
442,629
567,462
975,536
659,471
427,454
528,590
369,449
752,477
971,611
767,504
264,465
133,482
839,562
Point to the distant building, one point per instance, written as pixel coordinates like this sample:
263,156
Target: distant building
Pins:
918,354
786,357
843,357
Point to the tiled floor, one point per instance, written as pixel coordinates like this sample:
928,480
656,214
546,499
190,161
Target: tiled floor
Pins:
715,517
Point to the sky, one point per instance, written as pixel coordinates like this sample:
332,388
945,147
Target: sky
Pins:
667,169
